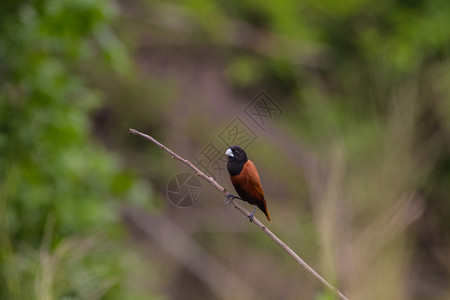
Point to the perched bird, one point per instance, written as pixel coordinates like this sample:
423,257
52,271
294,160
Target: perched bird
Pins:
245,179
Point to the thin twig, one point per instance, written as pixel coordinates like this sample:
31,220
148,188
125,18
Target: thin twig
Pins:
266,230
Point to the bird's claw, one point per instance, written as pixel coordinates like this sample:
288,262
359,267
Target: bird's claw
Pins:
229,198
250,217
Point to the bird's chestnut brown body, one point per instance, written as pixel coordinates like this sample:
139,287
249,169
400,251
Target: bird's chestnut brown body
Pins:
245,179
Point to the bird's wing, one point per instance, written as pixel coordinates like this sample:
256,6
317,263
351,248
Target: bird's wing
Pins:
252,177
248,186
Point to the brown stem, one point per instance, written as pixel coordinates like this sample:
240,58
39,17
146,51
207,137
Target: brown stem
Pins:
258,223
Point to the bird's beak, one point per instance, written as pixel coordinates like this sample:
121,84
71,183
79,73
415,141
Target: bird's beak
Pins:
229,153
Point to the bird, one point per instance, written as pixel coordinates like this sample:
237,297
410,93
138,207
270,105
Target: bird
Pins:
245,179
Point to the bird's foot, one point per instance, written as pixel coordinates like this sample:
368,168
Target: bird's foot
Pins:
229,198
250,216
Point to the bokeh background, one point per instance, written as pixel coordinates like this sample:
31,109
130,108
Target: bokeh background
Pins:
356,169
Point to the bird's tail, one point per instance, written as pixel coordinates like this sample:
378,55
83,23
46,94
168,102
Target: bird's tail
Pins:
263,207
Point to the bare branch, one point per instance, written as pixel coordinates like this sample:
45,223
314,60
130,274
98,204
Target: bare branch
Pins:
258,223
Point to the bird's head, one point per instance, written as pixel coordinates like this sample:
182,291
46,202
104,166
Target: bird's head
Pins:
236,154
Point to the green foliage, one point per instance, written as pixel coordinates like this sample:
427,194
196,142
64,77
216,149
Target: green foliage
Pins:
364,86
51,171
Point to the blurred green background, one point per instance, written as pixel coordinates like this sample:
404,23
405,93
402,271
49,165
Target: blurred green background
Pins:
356,170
